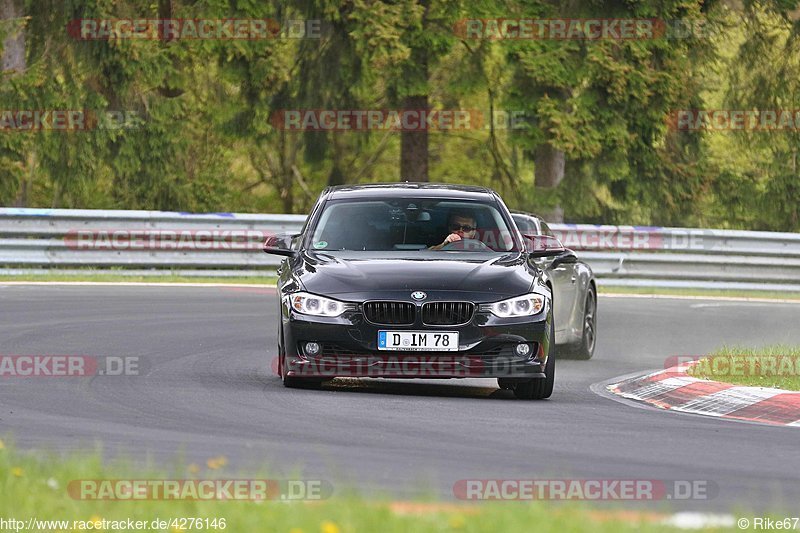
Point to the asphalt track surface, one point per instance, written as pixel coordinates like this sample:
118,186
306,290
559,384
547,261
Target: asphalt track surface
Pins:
207,390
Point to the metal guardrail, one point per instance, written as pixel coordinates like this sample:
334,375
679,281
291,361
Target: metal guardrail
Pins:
229,244
51,238
687,257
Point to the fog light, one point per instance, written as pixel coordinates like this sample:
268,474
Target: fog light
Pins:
523,349
312,348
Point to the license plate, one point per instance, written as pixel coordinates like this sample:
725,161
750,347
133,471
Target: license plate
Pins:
418,341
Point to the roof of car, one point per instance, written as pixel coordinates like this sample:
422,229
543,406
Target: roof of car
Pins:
406,188
525,213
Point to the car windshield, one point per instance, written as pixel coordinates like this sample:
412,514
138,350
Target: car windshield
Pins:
525,224
411,225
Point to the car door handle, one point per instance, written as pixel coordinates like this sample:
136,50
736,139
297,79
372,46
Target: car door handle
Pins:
574,278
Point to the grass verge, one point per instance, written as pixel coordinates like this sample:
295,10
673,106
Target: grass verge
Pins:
668,291
36,487
770,366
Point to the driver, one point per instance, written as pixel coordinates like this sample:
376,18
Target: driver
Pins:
462,226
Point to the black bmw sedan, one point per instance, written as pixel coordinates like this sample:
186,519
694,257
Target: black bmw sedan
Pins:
415,280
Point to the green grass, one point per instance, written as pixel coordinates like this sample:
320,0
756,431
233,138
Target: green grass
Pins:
35,486
770,366
169,278
777,295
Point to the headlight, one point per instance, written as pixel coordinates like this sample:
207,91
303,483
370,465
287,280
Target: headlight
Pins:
528,305
311,304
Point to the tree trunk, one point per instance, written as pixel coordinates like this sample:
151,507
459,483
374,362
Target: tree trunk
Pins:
549,169
336,176
27,182
287,194
414,145
13,59
286,158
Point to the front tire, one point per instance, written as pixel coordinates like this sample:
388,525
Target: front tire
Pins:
540,388
585,350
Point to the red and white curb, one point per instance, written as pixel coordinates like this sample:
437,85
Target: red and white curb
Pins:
674,390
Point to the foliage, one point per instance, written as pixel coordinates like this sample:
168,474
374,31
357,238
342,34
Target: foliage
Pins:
200,133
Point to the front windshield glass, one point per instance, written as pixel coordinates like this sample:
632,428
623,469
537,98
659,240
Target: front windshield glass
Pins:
411,224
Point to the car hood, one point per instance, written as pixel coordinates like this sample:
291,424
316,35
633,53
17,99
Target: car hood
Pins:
354,278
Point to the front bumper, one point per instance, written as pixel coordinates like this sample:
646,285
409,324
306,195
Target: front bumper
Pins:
349,348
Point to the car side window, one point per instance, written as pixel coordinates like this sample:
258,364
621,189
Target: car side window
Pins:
546,229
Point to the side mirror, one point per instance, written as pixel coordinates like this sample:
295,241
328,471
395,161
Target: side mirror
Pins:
543,245
280,244
565,258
